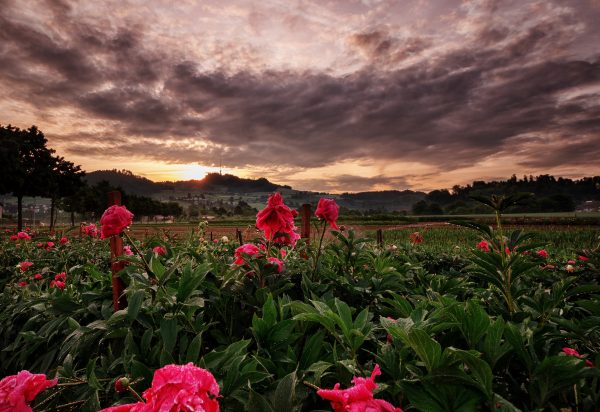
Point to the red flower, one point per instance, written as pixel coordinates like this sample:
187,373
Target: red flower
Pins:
328,210
25,265
23,235
22,283
359,398
49,245
248,249
276,262
571,262
573,352
40,245
276,217
581,257
484,246
127,250
37,276
177,388
61,276
159,250
416,238
542,253
64,240
121,385
17,391
58,284
14,238
90,230
114,220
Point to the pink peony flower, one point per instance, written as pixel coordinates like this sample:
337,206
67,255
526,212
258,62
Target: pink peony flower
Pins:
61,276
248,249
114,220
542,253
283,253
37,276
127,250
14,238
17,391
573,352
90,230
23,236
484,246
328,210
49,245
359,398
58,284
416,238
277,262
41,245
23,266
276,217
571,262
64,240
177,388
159,250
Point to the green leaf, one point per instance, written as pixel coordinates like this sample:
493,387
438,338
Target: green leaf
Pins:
257,403
168,332
134,303
193,350
283,398
428,350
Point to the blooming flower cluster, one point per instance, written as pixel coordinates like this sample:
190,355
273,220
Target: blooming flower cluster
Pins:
177,388
18,391
358,398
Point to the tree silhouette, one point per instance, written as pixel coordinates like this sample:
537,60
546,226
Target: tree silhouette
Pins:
25,164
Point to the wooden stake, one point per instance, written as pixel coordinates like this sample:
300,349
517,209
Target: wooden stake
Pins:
238,233
379,237
305,215
116,250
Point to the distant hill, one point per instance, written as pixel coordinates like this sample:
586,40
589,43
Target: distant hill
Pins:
216,182
126,180
212,182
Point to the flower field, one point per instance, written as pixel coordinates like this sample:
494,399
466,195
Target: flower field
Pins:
476,318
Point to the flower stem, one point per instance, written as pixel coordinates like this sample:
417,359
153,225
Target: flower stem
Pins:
319,250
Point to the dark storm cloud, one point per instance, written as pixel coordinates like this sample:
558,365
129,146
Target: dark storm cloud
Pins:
450,109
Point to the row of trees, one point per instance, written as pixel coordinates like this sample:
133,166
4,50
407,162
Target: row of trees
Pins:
551,194
29,168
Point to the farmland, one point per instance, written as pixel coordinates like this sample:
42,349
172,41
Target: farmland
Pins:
457,318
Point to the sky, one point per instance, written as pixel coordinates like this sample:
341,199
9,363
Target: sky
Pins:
348,95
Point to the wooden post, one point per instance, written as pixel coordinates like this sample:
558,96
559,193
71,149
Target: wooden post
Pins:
211,236
116,250
238,233
81,230
305,215
379,237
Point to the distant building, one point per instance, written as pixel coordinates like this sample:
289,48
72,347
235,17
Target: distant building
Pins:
589,206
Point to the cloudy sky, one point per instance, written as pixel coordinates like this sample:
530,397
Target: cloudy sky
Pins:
345,95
